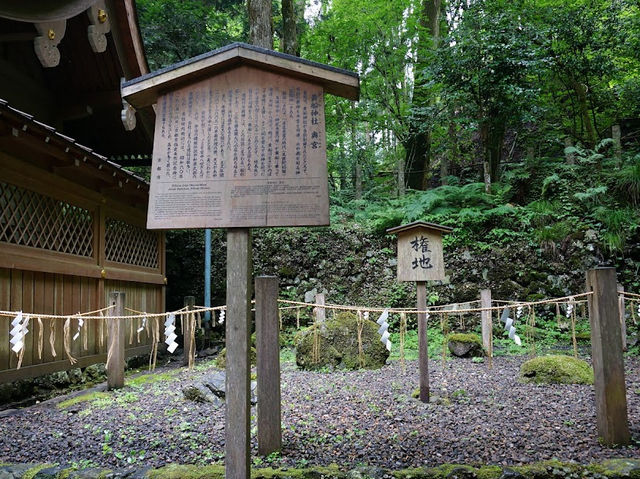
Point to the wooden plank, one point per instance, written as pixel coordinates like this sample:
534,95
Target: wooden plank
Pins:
5,324
54,366
16,303
76,288
28,307
49,300
423,345
608,362
115,367
268,365
144,91
39,306
60,310
237,418
485,316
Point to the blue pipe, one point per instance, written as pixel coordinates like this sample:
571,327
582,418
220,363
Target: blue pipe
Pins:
207,274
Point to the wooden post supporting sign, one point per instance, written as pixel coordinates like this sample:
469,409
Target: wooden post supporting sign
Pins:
238,366
239,143
268,365
608,363
423,343
115,352
420,259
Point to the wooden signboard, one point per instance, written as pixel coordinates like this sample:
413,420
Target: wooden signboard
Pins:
420,259
420,256
245,148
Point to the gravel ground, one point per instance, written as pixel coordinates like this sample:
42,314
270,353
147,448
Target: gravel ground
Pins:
349,418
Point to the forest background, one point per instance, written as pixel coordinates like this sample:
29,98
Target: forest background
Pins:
515,122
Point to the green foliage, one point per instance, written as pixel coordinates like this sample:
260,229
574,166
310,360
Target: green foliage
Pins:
176,30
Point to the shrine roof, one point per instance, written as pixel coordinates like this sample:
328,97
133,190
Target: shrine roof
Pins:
144,91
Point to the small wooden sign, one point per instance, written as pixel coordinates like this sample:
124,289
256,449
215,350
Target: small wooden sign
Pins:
420,256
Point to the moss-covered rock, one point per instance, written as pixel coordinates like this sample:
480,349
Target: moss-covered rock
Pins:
557,369
337,345
221,360
465,345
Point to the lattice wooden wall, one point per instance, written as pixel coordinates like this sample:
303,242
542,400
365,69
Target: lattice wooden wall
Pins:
31,219
129,244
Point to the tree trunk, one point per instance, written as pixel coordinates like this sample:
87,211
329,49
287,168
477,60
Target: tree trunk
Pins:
581,94
260,31
290,27
418,144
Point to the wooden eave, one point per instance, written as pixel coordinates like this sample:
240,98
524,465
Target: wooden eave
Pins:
43,146
144,91
419,224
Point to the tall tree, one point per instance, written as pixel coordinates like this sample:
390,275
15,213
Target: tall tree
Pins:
260,27
487,64
290,42
418,140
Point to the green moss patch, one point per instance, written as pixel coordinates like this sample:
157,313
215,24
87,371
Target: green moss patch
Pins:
221,360
556,369
150,378
337,345
88,397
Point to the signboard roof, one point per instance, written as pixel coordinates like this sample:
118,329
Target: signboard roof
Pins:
419,224
145,90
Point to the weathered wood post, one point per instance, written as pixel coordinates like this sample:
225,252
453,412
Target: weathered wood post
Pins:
268,365
423,341
321,313
621,312
485,302
608,363
189,302
420,259
115,352
239,143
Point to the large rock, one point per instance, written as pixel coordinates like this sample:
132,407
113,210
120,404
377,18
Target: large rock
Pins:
337,345
211,389
465,345
556,369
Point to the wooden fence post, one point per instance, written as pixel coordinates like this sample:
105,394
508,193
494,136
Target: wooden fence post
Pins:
238,338
115,352
189,302
321,314
608,363
485,302
268,365
621,312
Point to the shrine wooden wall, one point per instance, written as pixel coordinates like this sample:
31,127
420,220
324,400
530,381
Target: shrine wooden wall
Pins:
63,249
